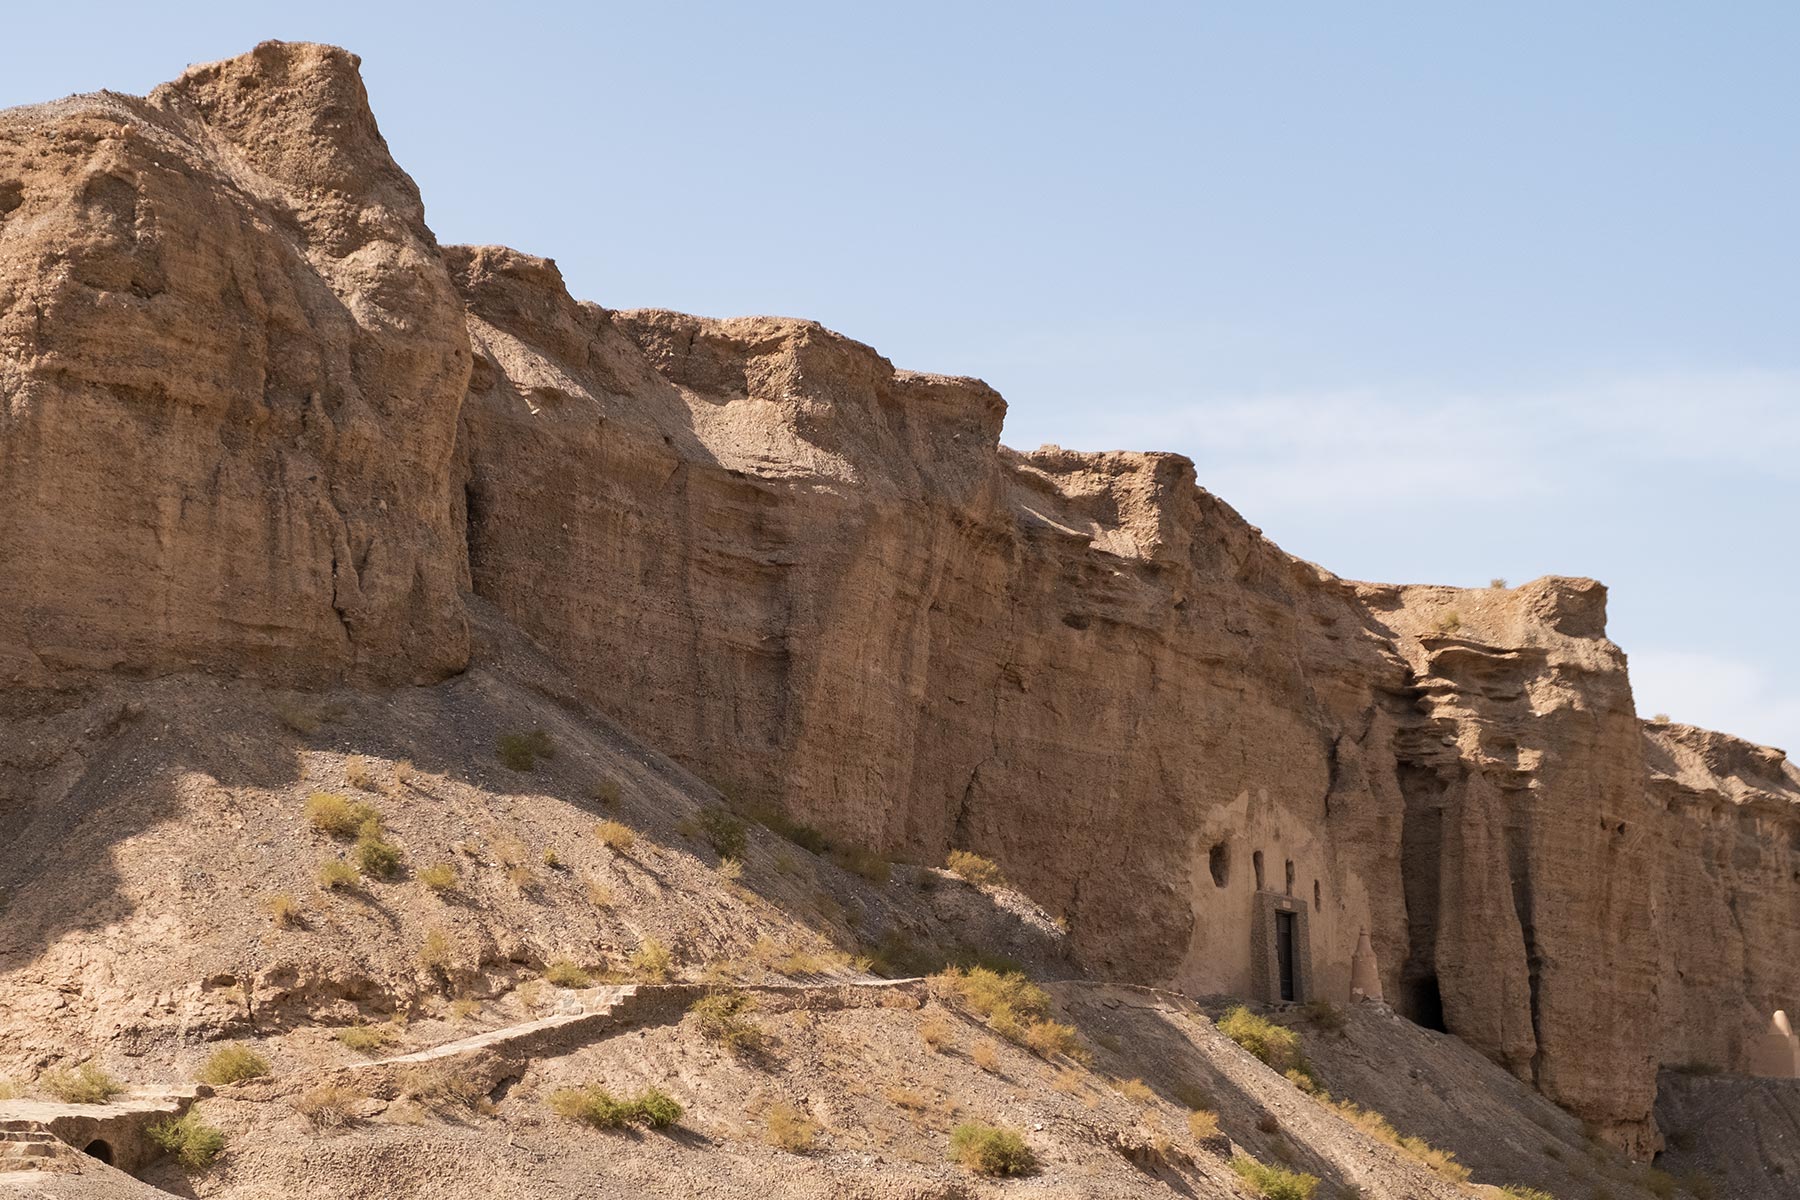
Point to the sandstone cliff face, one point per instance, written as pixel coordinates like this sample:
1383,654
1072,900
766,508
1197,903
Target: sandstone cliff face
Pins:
255,421
230,365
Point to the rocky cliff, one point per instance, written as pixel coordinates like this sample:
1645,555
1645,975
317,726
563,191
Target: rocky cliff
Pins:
256,422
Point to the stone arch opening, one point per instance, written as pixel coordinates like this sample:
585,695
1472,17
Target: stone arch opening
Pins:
1218,859
1256,861
101,1149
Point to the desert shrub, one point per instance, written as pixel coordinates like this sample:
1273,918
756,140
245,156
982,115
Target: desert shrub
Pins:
655,1108
1050,1038
335,873
983,990
566,973
614,835
651,961
359,773
10,1090
1664,719
1134,1090
723,830
986,1057
1274,1045
1450,622
301,718
606,791
1516,1192
284,910
521,751
552,860
787,1128
365,1039
439,877
193,1142
860,860
1325,1015
982,872
723,1017
404,773
337,816
1203,1124
802,835
1497,583
731,869
594,1105
1305,1082
437,952
464,1008
327,1106
934,1031
522,877
1273,1183
600,895
86,1084
441,1086
232,1064
1441,1162
376,857
991,1150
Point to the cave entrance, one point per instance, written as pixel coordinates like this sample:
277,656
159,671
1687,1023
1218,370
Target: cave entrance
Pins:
1425,1004
1284,953
101,1149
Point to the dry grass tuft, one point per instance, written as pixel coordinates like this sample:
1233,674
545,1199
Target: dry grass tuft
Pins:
934,1031
1134,1090
366,1039
359,773
284,910
567,973
335,873
86,1084
338,816
787,1128
985,1056
724,1017
232,1064
615,835
439,877
651,962
1273,1183
1203,1125
437,952
328,1106
982,872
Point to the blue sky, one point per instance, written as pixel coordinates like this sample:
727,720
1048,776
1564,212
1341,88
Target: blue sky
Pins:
1429,292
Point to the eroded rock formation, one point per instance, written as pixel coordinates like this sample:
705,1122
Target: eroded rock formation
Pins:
256,422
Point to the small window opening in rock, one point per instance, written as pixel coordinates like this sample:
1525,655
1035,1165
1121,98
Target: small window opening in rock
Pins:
1256,861
1318,897
1219,859
1290,876
101,1150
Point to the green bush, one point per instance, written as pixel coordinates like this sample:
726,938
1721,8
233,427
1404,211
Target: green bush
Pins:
1274,1045
991,1150
375,855
723,831
521,751
1274,1183
193,1142
722,1017
333,814
86,1084
594,1105
233,1064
